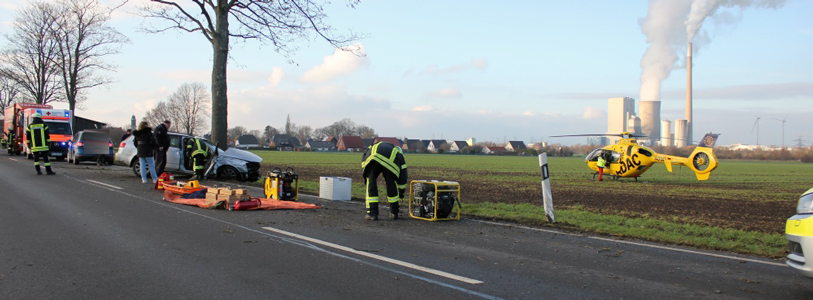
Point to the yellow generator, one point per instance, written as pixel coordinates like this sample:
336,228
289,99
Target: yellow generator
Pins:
281,185
434,200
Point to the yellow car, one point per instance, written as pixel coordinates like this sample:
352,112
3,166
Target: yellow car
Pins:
799,232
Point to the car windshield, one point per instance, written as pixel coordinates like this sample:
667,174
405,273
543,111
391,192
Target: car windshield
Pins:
59,128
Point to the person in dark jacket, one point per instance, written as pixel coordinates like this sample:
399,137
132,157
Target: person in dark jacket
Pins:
37,137
126,134
387,159
146,144
162,136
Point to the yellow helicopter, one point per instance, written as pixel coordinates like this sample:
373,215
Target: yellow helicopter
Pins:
628,159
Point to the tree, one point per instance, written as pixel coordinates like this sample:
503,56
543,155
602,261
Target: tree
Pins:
303,133
269,133
9,90
236,132
31,57
83,39
278,23
189,107
158,114
289,127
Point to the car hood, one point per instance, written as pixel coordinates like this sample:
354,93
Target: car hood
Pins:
240,154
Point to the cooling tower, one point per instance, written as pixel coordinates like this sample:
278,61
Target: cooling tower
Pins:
689,122
681,133
666,133
651,120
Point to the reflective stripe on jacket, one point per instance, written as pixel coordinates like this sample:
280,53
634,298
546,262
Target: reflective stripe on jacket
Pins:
601,162
38,137
197,147
389,156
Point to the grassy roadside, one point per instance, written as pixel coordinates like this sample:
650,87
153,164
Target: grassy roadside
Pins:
644,228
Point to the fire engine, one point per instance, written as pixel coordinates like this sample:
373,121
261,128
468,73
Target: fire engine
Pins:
19,116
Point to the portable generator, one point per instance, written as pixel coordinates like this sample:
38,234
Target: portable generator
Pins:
434,200
282,185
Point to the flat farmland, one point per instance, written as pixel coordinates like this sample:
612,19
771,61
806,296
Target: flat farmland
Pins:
745,196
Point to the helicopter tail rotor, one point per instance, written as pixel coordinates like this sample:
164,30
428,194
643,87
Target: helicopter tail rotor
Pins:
703,161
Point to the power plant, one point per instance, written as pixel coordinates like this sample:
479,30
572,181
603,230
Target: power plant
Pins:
621,117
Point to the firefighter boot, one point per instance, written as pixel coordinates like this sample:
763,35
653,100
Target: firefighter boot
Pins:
372,212
38,169
394,209
48,171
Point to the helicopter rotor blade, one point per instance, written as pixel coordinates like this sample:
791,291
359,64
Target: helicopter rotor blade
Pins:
599,134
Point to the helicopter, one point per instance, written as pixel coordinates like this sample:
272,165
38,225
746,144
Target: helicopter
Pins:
627,158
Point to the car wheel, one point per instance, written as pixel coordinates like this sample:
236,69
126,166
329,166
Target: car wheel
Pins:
137,167
228,173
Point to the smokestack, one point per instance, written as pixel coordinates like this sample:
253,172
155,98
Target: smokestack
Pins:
689,123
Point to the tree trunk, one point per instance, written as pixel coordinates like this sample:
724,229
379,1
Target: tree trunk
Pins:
220,101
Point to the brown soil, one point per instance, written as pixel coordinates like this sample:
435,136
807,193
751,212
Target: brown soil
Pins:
760,216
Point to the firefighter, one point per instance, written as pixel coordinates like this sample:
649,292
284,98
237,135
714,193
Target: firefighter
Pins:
10,144
196,152
37,138
387,159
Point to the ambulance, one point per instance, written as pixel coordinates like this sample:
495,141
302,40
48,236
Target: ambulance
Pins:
59,128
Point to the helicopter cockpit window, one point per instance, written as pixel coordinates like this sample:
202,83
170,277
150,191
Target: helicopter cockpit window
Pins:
593,156
644,152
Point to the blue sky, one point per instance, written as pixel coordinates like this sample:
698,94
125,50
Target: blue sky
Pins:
520,70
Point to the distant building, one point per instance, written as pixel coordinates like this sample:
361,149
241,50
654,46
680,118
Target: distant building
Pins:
247,141
597,140
434,145
352,143
457,146
320,145
414,146
515,146
390,140
619,112
494,150
284,142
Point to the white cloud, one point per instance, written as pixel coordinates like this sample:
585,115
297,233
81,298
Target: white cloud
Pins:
339,63
529,113
446,93
423,108
276,76
592,113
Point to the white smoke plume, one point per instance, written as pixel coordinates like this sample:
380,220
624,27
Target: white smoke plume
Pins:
669,26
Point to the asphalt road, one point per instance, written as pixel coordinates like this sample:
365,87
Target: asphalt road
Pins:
97,232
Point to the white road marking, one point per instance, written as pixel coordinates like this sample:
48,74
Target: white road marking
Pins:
378,257
642,244
104,184
14,159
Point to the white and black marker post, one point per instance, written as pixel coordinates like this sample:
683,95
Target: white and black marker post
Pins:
546,194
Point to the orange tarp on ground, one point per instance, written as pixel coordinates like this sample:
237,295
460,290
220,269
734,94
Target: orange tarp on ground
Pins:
265,204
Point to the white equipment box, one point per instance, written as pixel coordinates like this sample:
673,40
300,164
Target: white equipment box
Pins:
335,188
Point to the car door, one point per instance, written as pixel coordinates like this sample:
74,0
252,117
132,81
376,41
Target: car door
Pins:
174,153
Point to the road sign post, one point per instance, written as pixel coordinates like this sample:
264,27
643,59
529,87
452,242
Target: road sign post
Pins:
546,193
